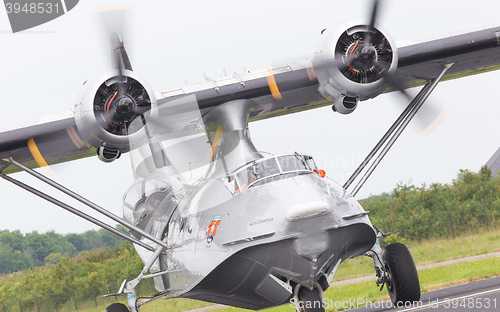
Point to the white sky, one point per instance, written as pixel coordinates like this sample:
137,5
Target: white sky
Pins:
42,71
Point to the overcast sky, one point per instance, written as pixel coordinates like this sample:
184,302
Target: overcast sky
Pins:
42,71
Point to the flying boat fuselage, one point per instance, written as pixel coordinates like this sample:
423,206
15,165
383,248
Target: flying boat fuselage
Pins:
249,246
254,227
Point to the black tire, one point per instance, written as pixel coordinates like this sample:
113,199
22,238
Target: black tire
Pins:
403,284
117,307
311,300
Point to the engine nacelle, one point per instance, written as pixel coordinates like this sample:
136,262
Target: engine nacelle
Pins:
348,68
108,112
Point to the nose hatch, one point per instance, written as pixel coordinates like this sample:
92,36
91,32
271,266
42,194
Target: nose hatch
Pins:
307,210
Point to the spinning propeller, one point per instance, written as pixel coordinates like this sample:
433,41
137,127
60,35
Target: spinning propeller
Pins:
122,99
366,56
125,108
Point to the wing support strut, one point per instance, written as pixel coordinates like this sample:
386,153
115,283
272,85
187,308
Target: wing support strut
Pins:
74,211
84,201
394,132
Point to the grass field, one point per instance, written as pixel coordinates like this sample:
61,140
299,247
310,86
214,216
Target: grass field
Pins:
430,251
426,252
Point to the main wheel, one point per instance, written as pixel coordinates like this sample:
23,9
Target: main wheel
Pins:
403,285
310,300
117,307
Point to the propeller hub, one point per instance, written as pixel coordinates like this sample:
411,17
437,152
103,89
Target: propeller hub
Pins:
367,54
125,105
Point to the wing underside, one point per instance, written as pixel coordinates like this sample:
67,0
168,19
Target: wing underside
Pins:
43,144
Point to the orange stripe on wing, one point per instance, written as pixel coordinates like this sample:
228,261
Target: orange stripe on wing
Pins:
271,82
36,153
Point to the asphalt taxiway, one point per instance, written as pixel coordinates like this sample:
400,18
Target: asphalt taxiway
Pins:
481,295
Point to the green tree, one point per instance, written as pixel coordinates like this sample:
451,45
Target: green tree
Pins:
39,246
13,239
13,260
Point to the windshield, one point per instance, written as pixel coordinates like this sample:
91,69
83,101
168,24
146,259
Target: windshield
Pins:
267,168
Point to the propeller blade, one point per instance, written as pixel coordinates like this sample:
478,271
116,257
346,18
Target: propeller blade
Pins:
118,61
341,61
374,13
372,21
430,118
113,19
183,142
393,82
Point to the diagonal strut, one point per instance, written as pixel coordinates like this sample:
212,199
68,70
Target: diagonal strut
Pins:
394,132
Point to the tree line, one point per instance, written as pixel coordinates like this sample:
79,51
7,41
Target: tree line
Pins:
467,205
25,251
79,279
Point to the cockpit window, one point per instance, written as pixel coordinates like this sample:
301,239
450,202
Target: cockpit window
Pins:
266,168
269,169
291,163
310,163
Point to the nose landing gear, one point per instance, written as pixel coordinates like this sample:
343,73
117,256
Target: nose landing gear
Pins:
396,269
402,282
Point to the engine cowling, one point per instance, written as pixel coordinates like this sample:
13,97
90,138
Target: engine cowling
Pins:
111,111
349,68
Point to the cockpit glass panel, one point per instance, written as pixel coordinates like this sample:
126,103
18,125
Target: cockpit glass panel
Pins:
243,178
310,163
291,163
266,168
257,171
270,169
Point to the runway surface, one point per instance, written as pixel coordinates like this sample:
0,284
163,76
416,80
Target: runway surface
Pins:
481,295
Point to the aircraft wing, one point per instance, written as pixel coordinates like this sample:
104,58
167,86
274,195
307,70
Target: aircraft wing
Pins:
43,143
276,91
471,54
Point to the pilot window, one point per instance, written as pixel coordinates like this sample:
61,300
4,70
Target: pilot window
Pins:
270,169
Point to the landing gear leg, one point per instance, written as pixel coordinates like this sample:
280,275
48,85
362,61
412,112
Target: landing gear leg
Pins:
376,254
396,269
309,300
